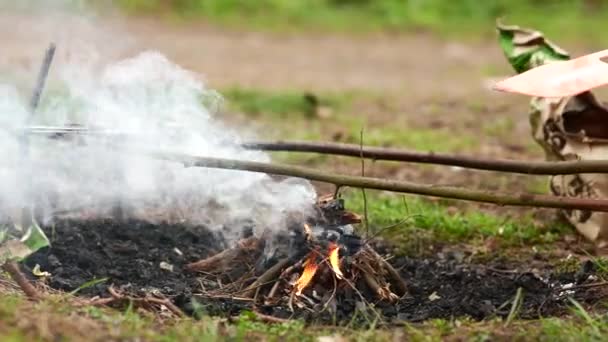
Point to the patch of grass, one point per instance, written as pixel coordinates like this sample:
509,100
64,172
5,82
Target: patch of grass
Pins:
300,116
467,17
248,326
54,319
421,139
499,128
424,223
283,105
538,185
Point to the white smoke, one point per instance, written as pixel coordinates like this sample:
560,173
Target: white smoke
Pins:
155,104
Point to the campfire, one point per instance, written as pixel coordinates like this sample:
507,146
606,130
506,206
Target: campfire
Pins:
315,265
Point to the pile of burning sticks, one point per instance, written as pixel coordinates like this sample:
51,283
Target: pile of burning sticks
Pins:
312,266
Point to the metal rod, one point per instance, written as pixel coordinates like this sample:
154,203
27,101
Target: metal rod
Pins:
27,211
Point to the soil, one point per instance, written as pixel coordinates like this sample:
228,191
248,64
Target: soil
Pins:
130,254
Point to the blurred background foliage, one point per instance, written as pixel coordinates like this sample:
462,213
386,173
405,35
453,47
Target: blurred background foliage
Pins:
461,17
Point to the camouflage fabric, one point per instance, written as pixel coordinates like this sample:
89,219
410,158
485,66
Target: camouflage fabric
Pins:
568,128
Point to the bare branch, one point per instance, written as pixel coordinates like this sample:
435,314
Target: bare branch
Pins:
12,268
393,154
524,199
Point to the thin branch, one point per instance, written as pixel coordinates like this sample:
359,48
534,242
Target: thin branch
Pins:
524,199
393,154
12,268
365,211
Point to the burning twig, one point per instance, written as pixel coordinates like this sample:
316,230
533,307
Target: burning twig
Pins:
394,154
524,199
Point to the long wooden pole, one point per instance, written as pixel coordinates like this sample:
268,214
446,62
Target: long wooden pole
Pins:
393,154
523,199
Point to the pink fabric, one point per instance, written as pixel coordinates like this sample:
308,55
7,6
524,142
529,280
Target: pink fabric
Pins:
560,78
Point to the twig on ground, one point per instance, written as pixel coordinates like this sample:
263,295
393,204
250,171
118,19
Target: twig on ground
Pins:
584,286
12,268
524,199
211,263
145,301
393,154
270,319
397,280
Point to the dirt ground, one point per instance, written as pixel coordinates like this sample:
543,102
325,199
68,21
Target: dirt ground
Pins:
407,64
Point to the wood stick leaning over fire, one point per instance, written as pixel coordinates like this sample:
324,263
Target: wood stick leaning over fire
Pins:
402,155
523,199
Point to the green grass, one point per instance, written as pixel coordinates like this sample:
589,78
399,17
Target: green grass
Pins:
437,140
417,223
283,105
574,19
291,109
54,319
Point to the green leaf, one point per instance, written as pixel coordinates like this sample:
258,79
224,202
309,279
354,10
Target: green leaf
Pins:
526,49
88,284
35,238
13,247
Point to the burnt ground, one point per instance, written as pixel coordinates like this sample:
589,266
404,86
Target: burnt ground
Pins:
443,285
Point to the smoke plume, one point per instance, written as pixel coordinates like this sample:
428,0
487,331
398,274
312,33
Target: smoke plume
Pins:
145,99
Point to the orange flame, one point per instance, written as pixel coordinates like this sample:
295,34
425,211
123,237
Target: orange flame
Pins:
334,260
310,268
